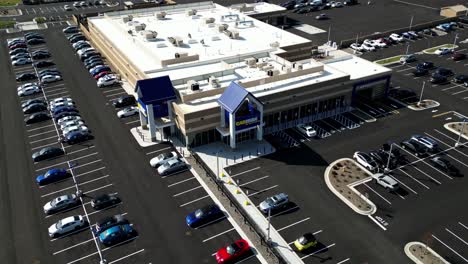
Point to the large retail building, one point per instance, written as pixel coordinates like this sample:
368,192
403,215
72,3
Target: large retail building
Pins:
204,72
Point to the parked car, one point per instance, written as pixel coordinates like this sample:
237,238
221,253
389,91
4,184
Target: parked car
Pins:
414,34
40,55
16,51
116,234
18,46
42,64
21,61
356,46
35,41
53,107
71,123
107,80
68,118
163,158
128,111
425,65
20,56
460,78
308,131
322,17
52,176
70,30
204,215
29,91
172,166
396,37
67,8
76,137
443,51
274,202
417,149
67,225
50,78
458,56
65,114
427,142
367,47
71,129
61,203
444,165
305,242
36,118
438,79
61,109
33,101
105,200
101,74
61,100
385,181
444,72
420,72
47,153
109,222
34,108
234,252
408,58
365,160
123,101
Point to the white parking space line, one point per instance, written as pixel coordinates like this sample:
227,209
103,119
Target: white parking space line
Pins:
293,224
127,256
182,181
187,191
416,180
377,222
55,94
53,86
75,245
131,122
37,128
112,90
111,95
455,235
459,92
455,159
209,223
438,182
100,188
445,135
343,261
86,164
83,149
264,190
282,212
252,181
247,171
46,145
73,186
56,89
378,194
466,227
43,139
407,187
39,134
452,87
315,233
461,152
159,150
88,172
447,246
57,164
193,201
217,235
318,251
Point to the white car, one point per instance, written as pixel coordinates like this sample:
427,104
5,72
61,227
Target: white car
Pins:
70,129
365,160
67,8
65,119
356,46
443,51
396,37
107,80
50,78
337,4
79,42
76,4
378,44
21,87
83,50
162,158
19,56
385,181
428,142
13,40
129,111
67,225
21,61
60,100
367,47
307,130
29,91
83,3
60,203
53,106
71,123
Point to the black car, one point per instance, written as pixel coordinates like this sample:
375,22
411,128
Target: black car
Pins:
26,76
417,149
425,65
69,37
94,64
86,55
70,30
35,41
41,55
77,137
89,62
82,45
438,79
47,153
28,34
105,200
42,64
34,108
351,2
123,101
33,101
109,222
429,32
64,114
444,165
53,70
17,51
77,38
461,78
444,72
57,111
37,117
381,158
420,72
92,58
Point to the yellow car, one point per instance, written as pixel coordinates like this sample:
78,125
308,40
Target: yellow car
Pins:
306,241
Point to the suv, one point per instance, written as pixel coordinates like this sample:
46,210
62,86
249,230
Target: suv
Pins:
275,202
415,147
385,181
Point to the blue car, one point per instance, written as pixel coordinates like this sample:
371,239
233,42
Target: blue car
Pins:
117,234
204,215
62,109
99,69
52,176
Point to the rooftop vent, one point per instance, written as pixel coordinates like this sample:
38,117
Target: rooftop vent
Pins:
176,41
208,20
128,18
161,15
193,85
191,12
222,27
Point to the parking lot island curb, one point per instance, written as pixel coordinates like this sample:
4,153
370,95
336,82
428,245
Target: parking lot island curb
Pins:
354,196
431,51
450,127
389,61
425,104
422,254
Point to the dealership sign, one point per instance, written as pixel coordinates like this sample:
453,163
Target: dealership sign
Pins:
247,121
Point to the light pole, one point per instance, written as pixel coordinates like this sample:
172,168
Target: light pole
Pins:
407,48
422,91
387,169
329,31
455,40
217,165
461,132
411,23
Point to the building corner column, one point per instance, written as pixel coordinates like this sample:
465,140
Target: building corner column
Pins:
152,127
260,125
232,130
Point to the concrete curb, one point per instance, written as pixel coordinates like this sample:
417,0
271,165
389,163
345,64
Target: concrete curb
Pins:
389,63
454,131
415,259
351,186
415,108
440,46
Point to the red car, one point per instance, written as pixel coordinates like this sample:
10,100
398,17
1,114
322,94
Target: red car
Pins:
233,252
16,46
459,56
101,74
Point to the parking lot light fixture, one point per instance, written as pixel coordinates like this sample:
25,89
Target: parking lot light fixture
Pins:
387,169
411,23
421,95
455,40
461,132
407,49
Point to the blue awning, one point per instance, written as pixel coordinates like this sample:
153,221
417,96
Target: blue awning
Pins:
155,90
233,97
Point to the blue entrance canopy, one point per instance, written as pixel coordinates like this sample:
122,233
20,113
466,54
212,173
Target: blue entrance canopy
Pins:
155,90
233,97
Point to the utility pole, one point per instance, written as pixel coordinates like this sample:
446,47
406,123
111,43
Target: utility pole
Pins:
422,91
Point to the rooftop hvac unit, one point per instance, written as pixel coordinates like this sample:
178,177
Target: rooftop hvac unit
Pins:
274,44
161,15
191,12
214,82
194,86
208,20
270,73
234,34
128,18
180,54
251,62
222,27
298,66
149,34
140,27
176,41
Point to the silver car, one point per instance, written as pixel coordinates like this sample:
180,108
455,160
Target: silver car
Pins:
172,166
67,225
61,203
277,201
162,158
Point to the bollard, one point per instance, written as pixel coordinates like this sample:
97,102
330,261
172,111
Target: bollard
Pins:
234,159
249,154
242,156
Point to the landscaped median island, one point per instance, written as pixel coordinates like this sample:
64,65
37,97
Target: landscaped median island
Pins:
423,105
432,50
341,176
456,127
9,2
7,23
422,254
389,61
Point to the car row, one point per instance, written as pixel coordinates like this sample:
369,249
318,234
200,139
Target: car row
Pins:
305,6
18,48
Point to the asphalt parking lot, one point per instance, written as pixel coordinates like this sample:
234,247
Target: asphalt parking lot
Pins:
100,166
